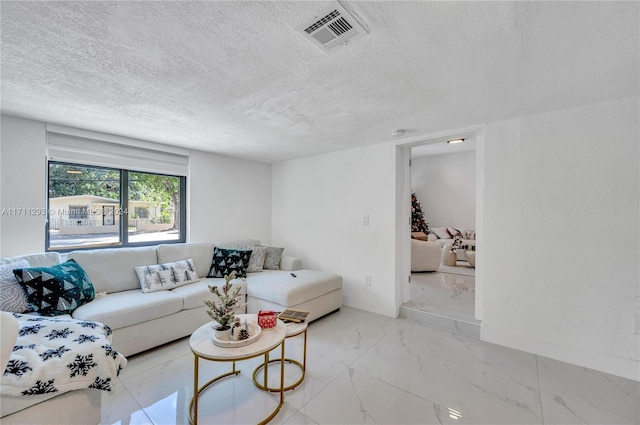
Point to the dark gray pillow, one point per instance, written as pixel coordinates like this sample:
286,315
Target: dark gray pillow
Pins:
225,261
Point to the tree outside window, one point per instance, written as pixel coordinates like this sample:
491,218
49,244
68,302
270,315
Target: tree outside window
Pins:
79,195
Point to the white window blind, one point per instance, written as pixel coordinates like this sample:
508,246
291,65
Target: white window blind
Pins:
65,144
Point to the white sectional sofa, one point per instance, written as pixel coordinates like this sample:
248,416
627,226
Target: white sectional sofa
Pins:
141,321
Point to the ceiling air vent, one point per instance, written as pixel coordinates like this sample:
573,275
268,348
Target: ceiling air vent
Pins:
332,27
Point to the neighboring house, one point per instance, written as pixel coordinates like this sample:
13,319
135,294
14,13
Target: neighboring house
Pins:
88,214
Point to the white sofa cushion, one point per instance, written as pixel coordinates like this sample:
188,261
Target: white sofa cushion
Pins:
282,288
9,327
44,259
193,295
127,308
113,270
200,252
290,263
238,244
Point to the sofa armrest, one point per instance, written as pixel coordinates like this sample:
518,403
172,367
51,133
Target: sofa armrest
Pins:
290,263
9,335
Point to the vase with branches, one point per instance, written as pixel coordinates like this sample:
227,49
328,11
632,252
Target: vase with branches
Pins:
228,300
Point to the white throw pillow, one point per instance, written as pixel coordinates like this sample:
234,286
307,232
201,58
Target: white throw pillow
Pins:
163,277
454,232
441,232
12,297
256,261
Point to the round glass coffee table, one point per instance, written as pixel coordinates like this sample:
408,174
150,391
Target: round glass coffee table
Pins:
202,347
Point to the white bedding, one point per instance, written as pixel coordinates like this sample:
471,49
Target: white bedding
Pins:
58,355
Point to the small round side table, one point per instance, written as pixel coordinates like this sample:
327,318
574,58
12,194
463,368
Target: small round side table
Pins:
202,347
293,329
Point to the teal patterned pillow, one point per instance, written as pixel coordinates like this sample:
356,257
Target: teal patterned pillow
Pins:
56,290
225,261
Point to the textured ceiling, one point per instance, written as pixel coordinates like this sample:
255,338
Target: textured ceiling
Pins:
235,78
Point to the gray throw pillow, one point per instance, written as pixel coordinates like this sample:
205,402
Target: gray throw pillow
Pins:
12,297
272,259
256,261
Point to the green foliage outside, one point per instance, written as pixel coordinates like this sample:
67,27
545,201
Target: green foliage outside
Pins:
163,192
66,180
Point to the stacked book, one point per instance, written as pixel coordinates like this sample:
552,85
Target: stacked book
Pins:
290,315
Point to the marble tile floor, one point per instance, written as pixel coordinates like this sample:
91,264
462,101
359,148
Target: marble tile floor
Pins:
444,300
366,368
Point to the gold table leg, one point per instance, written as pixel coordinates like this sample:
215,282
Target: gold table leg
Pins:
282,359
193,406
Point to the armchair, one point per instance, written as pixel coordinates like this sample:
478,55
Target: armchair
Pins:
425,256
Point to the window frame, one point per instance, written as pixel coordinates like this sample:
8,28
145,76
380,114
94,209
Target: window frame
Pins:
123,227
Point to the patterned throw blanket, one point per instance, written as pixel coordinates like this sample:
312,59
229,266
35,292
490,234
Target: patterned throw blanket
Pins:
59,355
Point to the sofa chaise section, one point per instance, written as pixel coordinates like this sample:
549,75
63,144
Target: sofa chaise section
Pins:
318,292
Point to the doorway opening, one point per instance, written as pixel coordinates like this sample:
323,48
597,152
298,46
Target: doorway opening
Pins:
442,290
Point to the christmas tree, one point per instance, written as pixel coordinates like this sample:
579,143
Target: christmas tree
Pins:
417,216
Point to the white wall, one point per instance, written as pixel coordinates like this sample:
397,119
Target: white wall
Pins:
318,206
228,198
22,183
560,251
560,216
446,188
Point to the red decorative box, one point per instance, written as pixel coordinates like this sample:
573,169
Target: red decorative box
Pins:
267,319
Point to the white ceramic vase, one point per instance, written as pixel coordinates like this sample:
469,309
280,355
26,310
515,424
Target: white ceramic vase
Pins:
223,334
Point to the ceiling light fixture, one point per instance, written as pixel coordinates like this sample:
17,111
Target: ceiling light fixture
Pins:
452,142
397,133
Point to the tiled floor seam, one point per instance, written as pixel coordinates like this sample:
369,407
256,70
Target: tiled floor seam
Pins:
147,369
133,397
398,388
318,393
539,390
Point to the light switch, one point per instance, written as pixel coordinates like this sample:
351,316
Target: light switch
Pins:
365,220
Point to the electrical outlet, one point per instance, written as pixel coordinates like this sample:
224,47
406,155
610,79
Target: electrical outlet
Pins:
365,220
367,280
